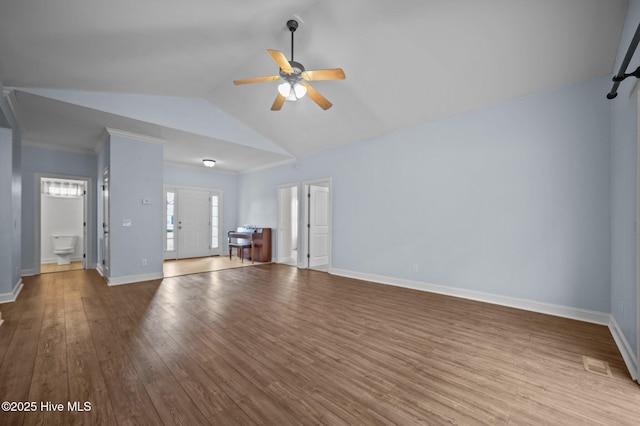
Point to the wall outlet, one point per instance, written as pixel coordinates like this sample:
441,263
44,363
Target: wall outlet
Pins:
143,262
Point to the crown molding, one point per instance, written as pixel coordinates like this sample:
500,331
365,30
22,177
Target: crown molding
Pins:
271,165
44,145
130,135
10,95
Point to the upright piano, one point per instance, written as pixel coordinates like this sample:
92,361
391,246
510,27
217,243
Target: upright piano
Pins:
248,240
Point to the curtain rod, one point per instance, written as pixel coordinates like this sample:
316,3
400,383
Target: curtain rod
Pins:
625,63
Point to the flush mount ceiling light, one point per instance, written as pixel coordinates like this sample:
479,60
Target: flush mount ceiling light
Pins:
295,78
209,163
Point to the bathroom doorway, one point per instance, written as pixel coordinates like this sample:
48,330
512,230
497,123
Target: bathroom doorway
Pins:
62,237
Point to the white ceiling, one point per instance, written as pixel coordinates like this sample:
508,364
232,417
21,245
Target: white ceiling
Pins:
406,62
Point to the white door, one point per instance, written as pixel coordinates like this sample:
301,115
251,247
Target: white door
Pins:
193,214
318,226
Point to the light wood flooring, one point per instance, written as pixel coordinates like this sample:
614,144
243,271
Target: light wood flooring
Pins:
174,268
276,345
46,268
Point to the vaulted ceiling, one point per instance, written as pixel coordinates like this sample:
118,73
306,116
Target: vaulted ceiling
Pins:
165,69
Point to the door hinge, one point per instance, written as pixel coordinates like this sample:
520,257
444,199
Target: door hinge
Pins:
103,262
308,256
84,255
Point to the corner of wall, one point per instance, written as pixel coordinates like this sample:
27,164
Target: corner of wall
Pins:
628,354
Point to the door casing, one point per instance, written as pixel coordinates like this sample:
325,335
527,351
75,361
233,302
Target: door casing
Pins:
87,211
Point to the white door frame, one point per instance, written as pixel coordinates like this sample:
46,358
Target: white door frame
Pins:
279,239
87,212
305,218
169,255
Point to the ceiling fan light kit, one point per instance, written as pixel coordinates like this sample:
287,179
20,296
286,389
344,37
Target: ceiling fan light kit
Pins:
292,92
295,78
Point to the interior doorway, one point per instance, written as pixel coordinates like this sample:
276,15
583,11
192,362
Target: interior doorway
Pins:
106,258
62,219
193,222
317,241
288,224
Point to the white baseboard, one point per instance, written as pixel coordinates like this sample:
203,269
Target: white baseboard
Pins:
628,354
28,272
134,278
13,295
527,305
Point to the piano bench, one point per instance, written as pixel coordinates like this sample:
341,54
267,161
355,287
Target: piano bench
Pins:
240,246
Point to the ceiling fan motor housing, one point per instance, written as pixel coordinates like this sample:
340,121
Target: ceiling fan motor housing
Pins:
294,77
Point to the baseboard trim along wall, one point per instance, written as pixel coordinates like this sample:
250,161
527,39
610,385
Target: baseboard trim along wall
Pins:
624,347
28,272
128,279
12,296
527,305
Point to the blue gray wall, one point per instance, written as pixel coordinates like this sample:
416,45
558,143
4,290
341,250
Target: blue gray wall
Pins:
10,208
511,200
6,215
135,173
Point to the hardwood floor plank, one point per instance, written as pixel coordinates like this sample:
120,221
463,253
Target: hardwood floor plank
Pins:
129,398
172,403
86,383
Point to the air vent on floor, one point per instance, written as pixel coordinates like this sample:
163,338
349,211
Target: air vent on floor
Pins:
596,366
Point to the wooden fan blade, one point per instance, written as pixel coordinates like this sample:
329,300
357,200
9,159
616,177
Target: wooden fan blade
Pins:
277,104
256,80
281,60
316,96
330,74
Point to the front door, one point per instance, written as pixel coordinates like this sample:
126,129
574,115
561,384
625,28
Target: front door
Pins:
193,219
193,223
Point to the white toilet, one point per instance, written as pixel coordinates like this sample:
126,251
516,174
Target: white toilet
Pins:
63,247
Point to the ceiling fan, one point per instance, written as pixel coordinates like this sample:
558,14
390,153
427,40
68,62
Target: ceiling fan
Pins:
295,78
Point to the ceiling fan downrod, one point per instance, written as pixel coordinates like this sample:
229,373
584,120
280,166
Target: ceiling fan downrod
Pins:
292,24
